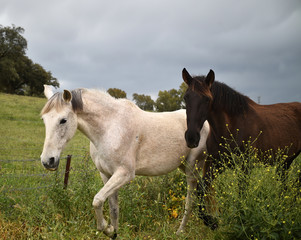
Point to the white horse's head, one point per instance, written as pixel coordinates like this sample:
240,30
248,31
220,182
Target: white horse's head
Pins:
60,121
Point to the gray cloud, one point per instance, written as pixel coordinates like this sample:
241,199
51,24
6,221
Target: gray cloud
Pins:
142,46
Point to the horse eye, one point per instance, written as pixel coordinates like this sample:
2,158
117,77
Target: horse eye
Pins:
64,120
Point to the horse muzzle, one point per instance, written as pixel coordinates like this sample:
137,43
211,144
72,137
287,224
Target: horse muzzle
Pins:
51,163
192,138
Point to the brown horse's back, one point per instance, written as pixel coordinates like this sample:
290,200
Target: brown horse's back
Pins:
280,125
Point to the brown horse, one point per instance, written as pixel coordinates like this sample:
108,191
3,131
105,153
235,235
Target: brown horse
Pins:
228,111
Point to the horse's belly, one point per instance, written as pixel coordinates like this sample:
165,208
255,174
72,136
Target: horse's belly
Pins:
156,169
159,164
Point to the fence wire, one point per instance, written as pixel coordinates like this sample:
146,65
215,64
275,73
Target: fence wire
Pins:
20,175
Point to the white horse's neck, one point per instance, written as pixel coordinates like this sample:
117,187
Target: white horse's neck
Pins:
99,112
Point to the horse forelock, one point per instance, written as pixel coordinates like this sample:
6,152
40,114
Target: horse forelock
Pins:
56,102
200,87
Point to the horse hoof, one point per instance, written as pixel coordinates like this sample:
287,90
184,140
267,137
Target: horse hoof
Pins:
210,222
109,231
114,236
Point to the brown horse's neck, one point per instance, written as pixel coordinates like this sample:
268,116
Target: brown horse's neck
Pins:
225,121
224,126
220,122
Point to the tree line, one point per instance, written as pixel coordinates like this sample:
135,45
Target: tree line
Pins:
168,100
20,75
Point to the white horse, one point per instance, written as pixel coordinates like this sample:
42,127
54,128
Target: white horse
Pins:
125,141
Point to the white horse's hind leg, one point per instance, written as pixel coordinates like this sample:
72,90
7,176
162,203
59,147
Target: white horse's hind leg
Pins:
117,180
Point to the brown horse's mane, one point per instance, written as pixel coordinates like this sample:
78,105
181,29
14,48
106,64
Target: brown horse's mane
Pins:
225,98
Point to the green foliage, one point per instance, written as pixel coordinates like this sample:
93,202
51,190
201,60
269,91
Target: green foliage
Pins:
182,90
116,93
12,43
168,100
145,102
254,199
18,74
171,100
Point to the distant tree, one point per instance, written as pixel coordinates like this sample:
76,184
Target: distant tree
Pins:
169,100
145,102
18,74
116,93
181,92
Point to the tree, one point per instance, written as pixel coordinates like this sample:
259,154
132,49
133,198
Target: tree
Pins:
168,101
116,93
12,44
18,73
181,92
8,76
35,77
145,102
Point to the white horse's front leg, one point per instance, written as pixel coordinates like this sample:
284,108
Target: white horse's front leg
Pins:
192,168
117,180
114,210
191,189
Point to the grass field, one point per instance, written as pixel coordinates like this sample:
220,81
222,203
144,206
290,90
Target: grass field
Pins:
34,205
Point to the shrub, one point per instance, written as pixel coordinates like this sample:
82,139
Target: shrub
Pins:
254,199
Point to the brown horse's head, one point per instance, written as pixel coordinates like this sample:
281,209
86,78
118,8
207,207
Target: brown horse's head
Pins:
198,99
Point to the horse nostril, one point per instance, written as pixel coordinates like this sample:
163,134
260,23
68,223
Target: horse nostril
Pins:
51,161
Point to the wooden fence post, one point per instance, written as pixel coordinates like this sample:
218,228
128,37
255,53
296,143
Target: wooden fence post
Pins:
68,163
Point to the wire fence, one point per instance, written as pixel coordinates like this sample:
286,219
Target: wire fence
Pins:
28,174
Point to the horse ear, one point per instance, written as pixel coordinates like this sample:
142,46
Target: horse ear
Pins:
210,78
67,96
48,91
186,76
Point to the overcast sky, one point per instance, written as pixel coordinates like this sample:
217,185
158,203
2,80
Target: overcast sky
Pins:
142,46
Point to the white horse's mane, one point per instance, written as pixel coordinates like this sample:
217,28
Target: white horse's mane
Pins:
106,97
57,102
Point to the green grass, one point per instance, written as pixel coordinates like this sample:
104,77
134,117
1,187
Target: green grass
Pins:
34,204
